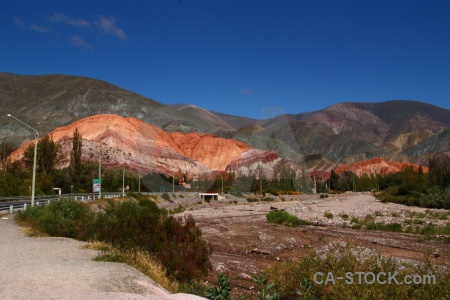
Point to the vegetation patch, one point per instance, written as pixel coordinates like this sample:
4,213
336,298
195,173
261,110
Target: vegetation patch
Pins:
139,259
285,218
136,227
177,210
417,225
292,279
344,216
328,215
268,199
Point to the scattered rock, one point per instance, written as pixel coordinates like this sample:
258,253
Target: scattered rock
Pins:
260,251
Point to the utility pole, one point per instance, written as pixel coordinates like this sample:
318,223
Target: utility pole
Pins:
139,184
315,187
123,181
100,174
36,135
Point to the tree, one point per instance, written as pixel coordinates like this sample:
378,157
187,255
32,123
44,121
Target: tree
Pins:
5,150
334,180
439,173
47,153
75,158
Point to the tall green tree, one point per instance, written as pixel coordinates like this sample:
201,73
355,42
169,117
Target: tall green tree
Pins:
47,154
76,164
439,173
5,150
334,180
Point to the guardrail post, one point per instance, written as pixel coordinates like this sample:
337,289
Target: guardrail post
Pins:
82,198
24,206
48,202
11,209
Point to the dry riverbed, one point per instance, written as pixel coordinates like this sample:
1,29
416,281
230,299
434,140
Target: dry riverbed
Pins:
244,242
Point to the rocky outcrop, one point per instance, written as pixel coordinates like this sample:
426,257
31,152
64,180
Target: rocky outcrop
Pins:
212,151
377,166
138,145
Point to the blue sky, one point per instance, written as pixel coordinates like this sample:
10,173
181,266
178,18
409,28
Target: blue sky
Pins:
242,57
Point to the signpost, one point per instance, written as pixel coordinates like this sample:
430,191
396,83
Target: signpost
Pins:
96,186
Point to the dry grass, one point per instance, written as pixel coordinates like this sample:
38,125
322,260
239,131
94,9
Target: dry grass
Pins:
138,259
30,230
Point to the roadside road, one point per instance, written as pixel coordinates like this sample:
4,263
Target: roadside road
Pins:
59,268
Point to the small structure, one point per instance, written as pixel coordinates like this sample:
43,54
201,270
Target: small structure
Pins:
214,196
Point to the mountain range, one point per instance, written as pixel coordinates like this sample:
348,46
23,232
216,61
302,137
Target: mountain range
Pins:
344,133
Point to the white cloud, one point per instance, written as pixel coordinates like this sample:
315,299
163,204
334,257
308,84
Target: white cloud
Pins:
78,42
62,18
108,25
19,22
40,29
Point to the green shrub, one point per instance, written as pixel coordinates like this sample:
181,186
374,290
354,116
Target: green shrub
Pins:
177,210
396,227
65,218
249,199
268,199
355,220
328,215
130,226
137,196
265,288
344,216
221,291
233,191
284,218
287,277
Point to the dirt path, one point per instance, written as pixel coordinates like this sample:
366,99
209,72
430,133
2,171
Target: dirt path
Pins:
58,268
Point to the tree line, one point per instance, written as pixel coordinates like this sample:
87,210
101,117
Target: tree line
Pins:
409,186
15,177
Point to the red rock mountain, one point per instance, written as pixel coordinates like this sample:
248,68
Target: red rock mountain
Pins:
136,144
376,166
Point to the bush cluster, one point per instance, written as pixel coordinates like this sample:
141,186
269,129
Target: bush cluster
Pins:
285,218
292,279
133,226
435,197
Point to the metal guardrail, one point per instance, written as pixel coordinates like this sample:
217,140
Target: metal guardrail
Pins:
11,204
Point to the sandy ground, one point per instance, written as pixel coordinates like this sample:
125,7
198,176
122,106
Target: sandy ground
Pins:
59,268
